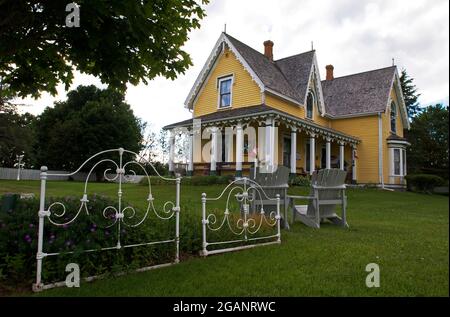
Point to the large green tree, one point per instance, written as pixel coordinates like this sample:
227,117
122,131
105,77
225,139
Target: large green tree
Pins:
119,41
410,94
89,121
16,137
429,141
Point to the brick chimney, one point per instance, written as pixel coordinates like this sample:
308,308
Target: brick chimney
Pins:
268,49
330,75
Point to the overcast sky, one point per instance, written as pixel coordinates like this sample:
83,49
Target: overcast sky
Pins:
353,35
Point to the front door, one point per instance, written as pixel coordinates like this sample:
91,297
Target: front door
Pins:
287,152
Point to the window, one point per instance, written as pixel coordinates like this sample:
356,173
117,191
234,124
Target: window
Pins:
225,92
404,161
396,161
310,105
393,118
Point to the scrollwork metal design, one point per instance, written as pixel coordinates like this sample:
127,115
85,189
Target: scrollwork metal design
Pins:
249,195
116,215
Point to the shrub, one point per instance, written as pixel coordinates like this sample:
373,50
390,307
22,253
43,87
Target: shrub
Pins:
300,181
191,181
423,182
18,241
19,227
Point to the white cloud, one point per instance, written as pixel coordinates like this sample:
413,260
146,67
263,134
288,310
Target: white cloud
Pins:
352,35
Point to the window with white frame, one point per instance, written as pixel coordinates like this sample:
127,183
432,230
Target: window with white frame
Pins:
310,105
404,161
398,161
393,118
225,84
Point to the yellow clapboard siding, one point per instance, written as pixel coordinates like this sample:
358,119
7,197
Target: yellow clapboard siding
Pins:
366,129
245,92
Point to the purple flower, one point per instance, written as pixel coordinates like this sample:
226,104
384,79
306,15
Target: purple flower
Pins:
31,225
28,238
65,226
68,243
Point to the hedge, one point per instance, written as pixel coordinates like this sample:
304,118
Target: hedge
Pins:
191,180
423,182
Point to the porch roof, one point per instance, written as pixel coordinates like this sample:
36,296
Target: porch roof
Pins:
261,112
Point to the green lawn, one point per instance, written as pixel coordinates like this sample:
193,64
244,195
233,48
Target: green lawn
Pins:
405,233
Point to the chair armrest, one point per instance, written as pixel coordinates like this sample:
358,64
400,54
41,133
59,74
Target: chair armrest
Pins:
300,197
329,187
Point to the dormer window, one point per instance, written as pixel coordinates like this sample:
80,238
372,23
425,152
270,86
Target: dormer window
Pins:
310,105
225,85
393,118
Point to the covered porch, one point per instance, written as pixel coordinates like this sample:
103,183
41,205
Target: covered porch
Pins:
234,141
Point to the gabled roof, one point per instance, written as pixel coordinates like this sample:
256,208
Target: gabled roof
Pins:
287,77
297,70
362,93
267,70
366,92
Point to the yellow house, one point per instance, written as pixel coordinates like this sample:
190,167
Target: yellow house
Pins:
249,109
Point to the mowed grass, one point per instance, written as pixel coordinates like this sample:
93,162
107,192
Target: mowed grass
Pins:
406,234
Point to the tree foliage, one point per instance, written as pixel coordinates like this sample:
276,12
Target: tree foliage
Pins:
119,41
410,94
16,137
89,121
429,141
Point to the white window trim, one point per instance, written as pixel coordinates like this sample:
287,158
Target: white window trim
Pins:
313,104
395,118
219,81
392,163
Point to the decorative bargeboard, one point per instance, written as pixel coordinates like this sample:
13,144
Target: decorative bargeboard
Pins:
117,215
246,224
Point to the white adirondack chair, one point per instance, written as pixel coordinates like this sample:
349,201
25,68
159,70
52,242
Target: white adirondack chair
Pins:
273,184
327,191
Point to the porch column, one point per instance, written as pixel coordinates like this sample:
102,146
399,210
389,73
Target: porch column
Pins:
190,170
213,165
269,144
328,153
293,151
171,151
312,153
239,149
353,163
341,155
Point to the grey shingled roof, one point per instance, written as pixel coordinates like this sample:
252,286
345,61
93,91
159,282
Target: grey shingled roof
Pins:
288,76
297,69
366,92
225,115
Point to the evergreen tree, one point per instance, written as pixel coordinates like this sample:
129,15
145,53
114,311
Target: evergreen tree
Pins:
410,94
